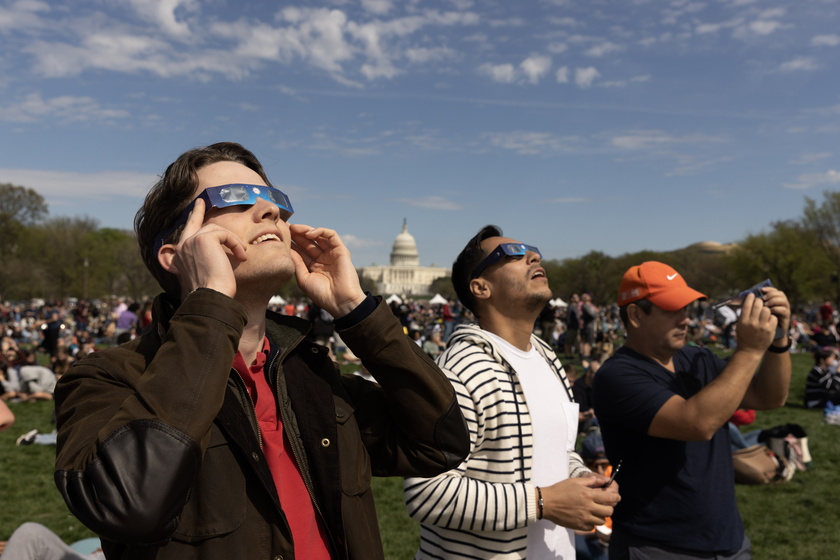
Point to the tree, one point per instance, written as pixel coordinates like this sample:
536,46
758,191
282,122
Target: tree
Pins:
824,222
444,287
789,255
19,208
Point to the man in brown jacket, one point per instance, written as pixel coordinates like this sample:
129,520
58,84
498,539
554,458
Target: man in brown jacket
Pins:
222,432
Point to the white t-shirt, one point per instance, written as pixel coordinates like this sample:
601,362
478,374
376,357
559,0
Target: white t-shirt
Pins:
554,420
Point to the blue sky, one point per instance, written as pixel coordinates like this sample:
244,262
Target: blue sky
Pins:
576,125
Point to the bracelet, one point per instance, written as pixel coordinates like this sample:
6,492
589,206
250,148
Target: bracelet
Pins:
540,503
780,349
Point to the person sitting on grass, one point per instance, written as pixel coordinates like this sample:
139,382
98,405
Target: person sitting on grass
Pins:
33,541
823,382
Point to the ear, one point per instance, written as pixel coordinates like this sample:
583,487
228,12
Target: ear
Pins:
166,256
634,315
480,288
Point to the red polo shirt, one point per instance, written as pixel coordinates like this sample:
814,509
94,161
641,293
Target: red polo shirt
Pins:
309,539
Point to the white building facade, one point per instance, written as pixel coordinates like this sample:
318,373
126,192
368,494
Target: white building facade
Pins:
404,276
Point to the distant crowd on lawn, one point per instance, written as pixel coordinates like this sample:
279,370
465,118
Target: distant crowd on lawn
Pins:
577,328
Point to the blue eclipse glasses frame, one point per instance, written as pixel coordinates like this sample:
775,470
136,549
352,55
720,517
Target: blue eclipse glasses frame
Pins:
234,194
500,252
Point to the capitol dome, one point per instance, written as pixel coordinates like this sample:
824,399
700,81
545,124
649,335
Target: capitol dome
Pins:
404,251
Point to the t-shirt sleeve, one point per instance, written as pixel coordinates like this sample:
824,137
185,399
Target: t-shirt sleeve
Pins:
628,394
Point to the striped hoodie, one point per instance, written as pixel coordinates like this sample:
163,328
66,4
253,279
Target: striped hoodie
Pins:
482,508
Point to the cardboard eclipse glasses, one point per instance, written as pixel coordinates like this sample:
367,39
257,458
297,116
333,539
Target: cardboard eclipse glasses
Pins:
503,250
230,195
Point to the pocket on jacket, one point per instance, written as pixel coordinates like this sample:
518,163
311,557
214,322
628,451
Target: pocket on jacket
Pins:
217,501
355,461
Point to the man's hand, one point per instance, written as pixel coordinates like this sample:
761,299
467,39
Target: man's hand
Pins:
324,270
777,302
756,325
204,255
580,503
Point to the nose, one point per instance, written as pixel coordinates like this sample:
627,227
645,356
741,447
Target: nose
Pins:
265,210
533,256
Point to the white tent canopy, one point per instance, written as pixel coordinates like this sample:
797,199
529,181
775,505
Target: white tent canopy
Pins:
276,300
393,298
438,300
557,302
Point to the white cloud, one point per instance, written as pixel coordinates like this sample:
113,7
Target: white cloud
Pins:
432,203
565,21
535,67
531,143
61,109
763,27
61,184
508,22
557,48
325,39
422,55
810,158
562,75
653,139
825,41
705,28
802,63
501,73
602,49
162,13
531,70
23,14
809,180
356,242
378,7
585,76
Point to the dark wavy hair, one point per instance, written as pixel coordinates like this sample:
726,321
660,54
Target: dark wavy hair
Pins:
467,260
173,192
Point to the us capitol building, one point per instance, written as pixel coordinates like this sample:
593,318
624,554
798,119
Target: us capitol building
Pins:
404,276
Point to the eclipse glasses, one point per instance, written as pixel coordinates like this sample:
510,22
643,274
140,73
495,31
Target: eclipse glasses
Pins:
230,195
500,252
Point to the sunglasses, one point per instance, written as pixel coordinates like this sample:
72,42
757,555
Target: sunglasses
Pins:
230,195
500,252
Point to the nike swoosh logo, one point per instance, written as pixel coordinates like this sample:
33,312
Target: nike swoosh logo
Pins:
670,276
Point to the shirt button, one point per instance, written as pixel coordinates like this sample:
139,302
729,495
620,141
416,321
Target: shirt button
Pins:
256,456
278,557
325,442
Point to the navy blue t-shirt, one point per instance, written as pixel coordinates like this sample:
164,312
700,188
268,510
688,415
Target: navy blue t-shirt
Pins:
677,493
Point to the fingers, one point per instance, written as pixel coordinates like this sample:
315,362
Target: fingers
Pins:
195,220
315,242
755,310
778,303
756,325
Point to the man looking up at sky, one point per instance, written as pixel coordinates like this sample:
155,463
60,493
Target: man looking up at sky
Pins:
522,489
663,407
221,432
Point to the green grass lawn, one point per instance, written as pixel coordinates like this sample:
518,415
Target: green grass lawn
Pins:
787,521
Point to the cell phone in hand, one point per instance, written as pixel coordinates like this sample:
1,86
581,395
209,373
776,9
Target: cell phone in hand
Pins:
612,476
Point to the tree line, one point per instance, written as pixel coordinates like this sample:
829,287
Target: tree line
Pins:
56,258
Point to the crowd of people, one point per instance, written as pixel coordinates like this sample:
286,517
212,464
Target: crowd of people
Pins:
213,421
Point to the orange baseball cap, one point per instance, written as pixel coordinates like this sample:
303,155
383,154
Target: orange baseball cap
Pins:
659,283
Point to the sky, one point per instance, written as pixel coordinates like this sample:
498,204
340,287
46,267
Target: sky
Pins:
575,125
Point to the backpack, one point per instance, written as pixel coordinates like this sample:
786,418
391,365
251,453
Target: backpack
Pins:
757,464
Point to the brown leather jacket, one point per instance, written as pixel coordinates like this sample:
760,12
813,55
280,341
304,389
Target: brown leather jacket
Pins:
159,451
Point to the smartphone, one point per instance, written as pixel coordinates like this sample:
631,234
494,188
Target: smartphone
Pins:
612,476
737,301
